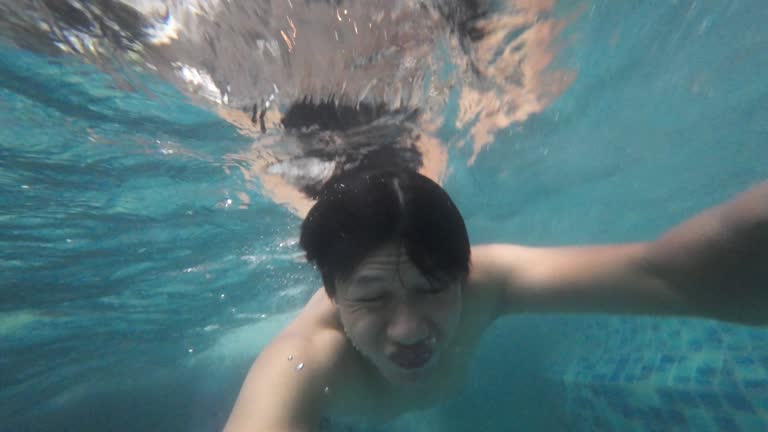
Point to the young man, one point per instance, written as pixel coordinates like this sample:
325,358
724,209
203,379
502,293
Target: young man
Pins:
403,306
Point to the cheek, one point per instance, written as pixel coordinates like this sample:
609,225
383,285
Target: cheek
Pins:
361,327
447,309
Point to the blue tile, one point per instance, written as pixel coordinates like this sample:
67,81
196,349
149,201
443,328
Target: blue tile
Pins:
703,382
622,361
696,345
727,381
675,417
755,384
615,405
647,416
599,423
738,402
753,423
699,423
726,424
600,378
581,400
687,398
628,412
744,361
710,401
618,369
667,397
645,375
706,371
613,394
656,412
713,336
728,385
666,359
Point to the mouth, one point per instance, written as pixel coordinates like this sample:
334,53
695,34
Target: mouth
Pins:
413,357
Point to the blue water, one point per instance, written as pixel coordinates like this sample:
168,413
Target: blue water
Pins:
134,295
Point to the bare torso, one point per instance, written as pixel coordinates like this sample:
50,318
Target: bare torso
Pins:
356,389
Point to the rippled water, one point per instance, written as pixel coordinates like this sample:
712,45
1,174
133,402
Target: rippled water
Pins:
144,146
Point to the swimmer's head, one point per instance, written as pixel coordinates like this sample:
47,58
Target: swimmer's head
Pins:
393,253
359,212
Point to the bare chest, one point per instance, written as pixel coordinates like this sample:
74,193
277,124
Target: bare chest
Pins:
369,397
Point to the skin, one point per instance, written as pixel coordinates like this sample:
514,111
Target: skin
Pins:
711,266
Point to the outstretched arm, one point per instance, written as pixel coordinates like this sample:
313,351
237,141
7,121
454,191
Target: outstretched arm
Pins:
718,260
714,265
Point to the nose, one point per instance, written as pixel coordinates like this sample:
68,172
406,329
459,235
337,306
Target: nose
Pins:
407,325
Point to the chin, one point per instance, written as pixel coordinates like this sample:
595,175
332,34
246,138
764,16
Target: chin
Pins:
399,376
409,377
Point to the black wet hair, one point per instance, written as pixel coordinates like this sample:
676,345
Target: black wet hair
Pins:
351,137
360,211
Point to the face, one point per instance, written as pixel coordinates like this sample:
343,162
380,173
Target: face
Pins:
397,318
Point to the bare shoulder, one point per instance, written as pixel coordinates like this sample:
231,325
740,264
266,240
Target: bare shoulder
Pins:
492,261
495,268
491,273
285,389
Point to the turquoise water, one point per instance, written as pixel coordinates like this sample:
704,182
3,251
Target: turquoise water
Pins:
143,271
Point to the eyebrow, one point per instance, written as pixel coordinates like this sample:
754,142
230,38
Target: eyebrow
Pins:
370,278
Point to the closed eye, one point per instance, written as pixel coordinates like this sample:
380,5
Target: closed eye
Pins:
372,299
437,289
